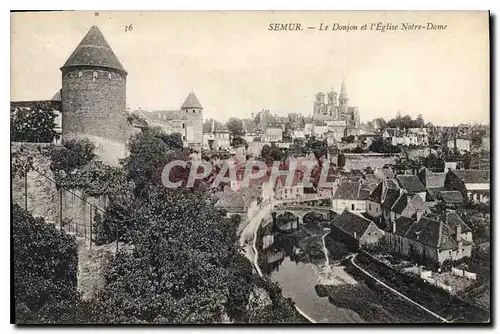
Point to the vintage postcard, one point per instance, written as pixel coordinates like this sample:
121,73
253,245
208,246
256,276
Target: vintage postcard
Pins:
255,167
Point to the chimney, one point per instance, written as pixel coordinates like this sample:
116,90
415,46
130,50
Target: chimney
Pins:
251,115
459,232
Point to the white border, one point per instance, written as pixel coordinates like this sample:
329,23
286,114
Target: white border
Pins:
193,5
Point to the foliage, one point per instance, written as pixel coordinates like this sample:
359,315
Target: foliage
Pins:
318,147
235,126
74,154
348,139
271,153
150,151
406,122
45,267
379,145
35,124
382,123
239,141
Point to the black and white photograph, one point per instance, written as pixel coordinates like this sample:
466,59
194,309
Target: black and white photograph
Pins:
250,167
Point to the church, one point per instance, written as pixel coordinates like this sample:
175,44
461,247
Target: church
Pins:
336,108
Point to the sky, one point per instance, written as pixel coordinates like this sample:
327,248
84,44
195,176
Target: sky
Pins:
237,67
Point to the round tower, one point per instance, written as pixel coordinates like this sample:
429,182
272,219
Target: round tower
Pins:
94,91
194,119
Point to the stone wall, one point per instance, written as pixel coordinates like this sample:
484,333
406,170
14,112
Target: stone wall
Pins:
363,160
94,102
43,197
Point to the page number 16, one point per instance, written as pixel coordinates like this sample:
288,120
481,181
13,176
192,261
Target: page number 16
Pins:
129,28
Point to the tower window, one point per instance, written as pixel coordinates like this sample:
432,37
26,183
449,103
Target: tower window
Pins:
194,111
79,74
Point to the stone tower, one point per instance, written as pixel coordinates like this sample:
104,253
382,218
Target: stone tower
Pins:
343,99
194,124
332,104
94,93
319,103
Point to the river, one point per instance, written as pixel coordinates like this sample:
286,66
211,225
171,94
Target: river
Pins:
294,257
300,274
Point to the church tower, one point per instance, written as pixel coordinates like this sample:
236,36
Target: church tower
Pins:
332,104
194,124
94,92
343,99
319,103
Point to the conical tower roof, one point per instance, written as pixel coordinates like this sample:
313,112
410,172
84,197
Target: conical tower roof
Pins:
191,102
94,51
343,91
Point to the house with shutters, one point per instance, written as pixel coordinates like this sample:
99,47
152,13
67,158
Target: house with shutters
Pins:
355,230
350,195
431,240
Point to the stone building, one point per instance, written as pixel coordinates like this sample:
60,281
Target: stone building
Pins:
187,121
93,96
92,100
336,108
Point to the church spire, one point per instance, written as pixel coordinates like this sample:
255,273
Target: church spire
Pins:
343,91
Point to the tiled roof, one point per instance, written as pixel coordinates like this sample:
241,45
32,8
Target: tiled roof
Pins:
452,219
402,225
165,115
191,102
93,50
351,223
437,231
390,198
350,190
435,193
392,184
426,230
249,125
430,179
376,195
207,127
411,183
220,127
473,176
405,200
452,197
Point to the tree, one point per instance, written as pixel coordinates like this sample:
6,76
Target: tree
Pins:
150,151
45,273
348,139
239,141
271,153
235,126
74,153
382,123
35,124
379,145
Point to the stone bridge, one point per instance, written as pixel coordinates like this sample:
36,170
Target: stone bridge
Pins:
301,211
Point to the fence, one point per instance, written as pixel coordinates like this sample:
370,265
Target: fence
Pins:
71,210
463,273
